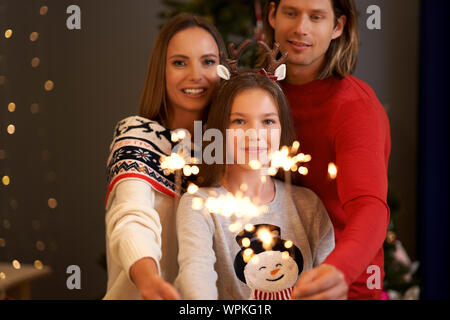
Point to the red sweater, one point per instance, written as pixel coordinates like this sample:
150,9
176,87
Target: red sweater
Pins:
342,121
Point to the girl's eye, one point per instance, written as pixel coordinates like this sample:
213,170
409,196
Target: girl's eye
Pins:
269,122
262,268
237,121
179,63
278,265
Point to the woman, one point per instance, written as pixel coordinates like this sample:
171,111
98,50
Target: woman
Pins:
140,226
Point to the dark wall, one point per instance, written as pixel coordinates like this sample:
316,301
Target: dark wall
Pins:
99,71
388,61
61,151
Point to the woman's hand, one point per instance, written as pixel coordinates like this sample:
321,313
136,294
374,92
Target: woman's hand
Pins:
324,282
151,286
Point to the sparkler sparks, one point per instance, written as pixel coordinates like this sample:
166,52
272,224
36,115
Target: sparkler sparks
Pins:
287,159
332,171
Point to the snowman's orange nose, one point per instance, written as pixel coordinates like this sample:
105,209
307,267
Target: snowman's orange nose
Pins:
274,272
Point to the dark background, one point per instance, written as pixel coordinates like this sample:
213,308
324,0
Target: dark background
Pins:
98,71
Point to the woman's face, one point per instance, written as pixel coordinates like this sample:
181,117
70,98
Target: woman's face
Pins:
192,58
255,127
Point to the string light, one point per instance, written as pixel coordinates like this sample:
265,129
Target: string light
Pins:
6,224
40,246
43,10
49,85
38,265
11,129
34,36
16,264
2,276
34,108
8,33
6,180
2,243
52,203
11,107
35,62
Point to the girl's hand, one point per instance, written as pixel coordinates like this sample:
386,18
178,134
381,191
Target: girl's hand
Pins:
151,286
324,282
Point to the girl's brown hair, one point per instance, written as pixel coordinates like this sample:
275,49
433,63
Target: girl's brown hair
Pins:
153,103
342,55
219,115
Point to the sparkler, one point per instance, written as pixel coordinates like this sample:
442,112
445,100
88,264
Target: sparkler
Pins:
177,164
239,208
332,171
287,159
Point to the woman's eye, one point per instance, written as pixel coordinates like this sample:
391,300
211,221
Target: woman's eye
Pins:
179,63
278,265
262,268
210,62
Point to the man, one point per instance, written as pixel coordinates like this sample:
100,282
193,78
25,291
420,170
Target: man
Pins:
340,122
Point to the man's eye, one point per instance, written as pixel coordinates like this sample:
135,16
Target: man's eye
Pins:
262,268
290,14
179,63
315,17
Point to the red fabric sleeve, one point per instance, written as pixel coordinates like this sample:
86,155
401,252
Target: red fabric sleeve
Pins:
362,145
362,237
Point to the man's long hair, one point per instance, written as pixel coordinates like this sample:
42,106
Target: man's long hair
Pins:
342,54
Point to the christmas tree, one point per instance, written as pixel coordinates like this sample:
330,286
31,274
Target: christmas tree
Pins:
236,20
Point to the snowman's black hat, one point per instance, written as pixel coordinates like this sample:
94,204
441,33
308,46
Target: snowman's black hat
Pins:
257,246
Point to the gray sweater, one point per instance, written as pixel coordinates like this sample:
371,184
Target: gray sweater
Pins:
212,260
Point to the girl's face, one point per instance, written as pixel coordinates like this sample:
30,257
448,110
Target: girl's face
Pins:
255,127
192,57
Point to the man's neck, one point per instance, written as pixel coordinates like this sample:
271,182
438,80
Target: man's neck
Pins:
302,74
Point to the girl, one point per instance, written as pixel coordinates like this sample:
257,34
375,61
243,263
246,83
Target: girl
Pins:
141,250
214,262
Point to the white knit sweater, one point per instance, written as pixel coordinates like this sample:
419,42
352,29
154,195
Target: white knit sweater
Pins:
140,219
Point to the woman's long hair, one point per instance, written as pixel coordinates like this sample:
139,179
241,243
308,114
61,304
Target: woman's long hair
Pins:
153,103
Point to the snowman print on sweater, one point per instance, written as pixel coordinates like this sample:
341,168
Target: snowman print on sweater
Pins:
268,265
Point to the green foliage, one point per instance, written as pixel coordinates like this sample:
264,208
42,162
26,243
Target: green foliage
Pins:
235,20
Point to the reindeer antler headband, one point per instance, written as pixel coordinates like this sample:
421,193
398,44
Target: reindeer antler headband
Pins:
276,69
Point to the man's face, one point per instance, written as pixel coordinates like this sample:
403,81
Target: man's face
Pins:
305,28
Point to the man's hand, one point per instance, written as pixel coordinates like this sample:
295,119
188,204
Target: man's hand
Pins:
151,286
324,282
